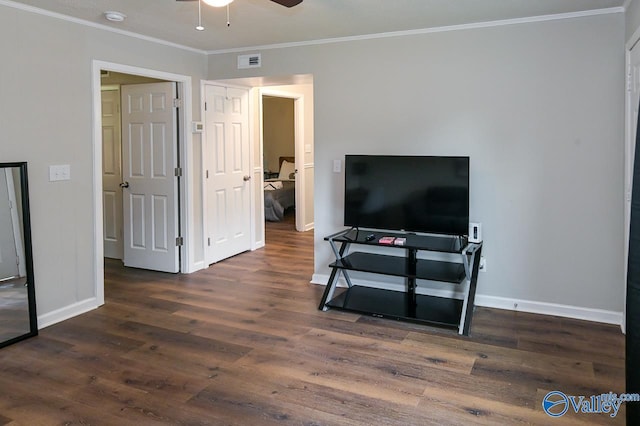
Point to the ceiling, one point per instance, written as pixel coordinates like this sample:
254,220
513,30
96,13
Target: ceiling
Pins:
262,22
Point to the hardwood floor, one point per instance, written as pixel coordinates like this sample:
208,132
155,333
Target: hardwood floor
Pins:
243,343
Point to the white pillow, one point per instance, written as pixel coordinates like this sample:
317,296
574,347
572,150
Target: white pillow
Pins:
286,170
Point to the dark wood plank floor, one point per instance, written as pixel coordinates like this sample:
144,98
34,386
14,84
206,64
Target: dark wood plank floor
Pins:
243,343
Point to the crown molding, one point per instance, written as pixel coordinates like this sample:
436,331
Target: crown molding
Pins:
48,13
461,27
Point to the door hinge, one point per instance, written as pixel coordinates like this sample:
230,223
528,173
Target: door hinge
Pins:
209,242
177,103
207,174
179,241
178,172
205,106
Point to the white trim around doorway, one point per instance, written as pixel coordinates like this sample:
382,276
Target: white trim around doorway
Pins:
187,226
299,148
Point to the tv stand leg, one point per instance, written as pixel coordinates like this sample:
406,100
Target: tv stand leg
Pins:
411,297
329,289
412,261
472,281
346,278
335,273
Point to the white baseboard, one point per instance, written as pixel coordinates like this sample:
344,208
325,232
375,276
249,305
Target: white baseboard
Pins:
54,317
555,309
196,266
568,311
322,279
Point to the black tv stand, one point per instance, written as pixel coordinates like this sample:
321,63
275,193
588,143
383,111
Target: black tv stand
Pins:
404,305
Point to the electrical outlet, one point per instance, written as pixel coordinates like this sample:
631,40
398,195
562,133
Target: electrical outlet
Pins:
483,264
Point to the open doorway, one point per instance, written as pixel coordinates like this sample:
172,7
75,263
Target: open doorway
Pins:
287,115
176,103
279,165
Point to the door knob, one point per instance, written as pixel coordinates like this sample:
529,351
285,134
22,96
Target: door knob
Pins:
246,178
124,185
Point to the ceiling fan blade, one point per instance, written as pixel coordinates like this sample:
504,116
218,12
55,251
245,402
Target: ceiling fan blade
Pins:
287,3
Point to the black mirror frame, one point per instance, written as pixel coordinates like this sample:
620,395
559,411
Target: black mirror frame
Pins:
28,253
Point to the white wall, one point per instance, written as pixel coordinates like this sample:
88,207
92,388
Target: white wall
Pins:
539,108
632,18
46,118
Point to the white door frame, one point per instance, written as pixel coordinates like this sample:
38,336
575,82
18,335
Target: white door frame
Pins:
185,148
298,112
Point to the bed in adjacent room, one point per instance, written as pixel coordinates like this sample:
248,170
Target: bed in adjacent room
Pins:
280,192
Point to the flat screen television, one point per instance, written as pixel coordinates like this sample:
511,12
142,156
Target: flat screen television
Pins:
425,194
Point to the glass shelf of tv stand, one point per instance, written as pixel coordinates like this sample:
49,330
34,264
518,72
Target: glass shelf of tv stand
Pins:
433,270
399,306
438,243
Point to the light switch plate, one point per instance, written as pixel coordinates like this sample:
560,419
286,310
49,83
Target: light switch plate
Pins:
337,166
197,127
59,172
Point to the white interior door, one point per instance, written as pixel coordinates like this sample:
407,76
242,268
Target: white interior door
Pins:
228,188
112,174
9,261
149,161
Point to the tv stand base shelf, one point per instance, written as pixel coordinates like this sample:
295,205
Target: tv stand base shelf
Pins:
405,306
397,305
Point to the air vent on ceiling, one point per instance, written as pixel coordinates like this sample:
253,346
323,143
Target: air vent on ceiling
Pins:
249,61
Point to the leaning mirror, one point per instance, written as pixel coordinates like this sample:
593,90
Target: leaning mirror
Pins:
17,294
